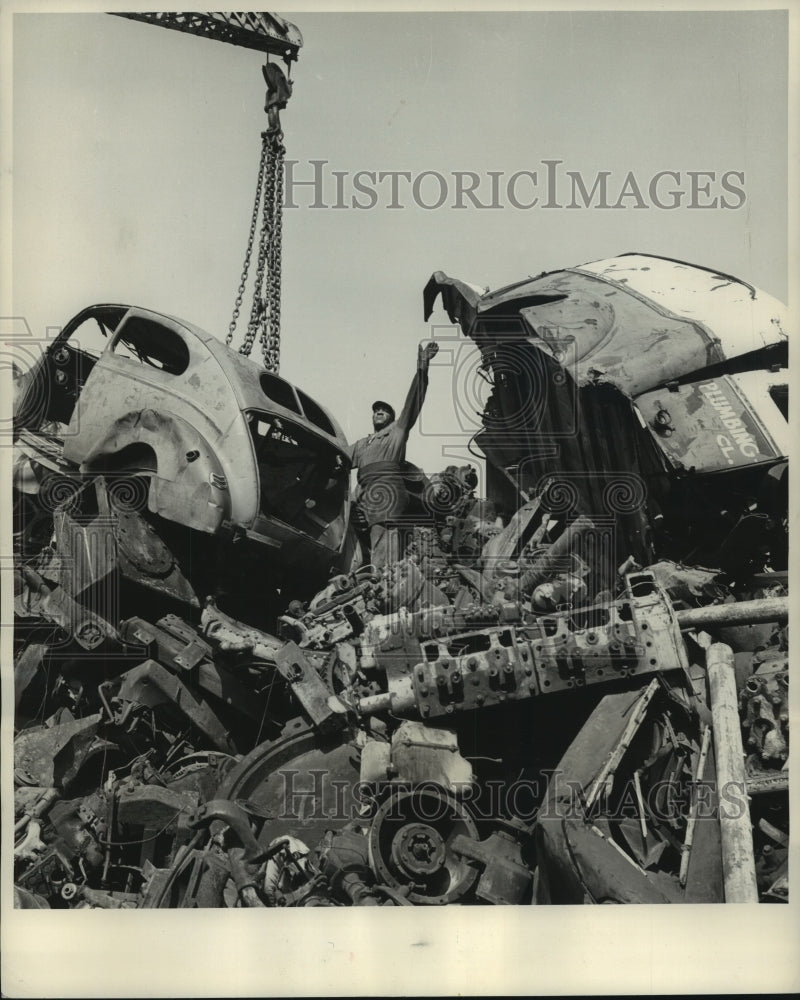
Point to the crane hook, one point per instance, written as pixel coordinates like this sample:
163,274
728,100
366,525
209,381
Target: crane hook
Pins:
279,90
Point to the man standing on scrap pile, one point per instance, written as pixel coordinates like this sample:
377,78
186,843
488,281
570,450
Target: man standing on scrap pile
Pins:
382,495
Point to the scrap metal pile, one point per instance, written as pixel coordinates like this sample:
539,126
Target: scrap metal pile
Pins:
574,690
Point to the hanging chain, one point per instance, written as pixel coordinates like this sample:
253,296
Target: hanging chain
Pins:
265,311
248,254
271,317
258,305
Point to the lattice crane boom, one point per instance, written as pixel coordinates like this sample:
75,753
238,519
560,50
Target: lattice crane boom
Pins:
258,30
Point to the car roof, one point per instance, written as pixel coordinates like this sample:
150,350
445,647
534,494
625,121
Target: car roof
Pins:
246,378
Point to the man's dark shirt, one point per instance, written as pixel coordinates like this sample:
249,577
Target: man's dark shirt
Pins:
382,493
388,445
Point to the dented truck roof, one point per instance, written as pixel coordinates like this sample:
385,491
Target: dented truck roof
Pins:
636,321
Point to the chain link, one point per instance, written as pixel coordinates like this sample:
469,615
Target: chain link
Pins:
257,305
265,311
271,328
248,254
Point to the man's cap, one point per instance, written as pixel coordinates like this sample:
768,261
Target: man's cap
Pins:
381,404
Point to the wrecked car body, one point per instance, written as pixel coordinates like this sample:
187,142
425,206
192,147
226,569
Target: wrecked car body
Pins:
571,691
147,420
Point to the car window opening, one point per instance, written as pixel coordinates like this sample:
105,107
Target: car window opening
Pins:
278,391
303,479
153,344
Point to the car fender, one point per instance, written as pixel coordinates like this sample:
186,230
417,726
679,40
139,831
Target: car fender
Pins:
187,481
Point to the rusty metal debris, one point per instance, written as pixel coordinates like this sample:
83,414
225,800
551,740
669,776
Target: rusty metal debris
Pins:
572,690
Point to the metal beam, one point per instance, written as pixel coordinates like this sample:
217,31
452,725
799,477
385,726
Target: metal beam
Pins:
253,30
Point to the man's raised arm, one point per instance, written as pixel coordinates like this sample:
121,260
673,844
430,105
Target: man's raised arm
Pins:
419,386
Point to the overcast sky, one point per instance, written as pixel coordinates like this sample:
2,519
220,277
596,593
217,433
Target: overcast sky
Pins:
136,149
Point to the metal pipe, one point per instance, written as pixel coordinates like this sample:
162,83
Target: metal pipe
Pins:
399,698
766,609
637,784
738,862
773,832
692,821
552,561
37,810
375,703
